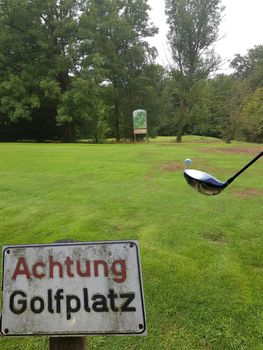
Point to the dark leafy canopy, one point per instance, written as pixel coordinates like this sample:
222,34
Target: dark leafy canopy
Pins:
225,96
235,101
78,68
118,29
248,74
247,65
39,51
50,49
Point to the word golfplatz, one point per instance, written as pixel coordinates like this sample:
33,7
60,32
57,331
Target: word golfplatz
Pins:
70,268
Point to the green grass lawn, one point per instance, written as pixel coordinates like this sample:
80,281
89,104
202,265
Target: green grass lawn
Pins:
202,257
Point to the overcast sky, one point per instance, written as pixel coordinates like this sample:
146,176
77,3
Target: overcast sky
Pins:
240,30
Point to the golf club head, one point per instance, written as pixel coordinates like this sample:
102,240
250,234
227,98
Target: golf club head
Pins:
204,183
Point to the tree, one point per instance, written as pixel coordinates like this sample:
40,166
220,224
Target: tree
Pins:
118,29
75,68
83,106
18,97
39,49
248,72
252,116
193,28
177,114
246,66
224,104
143,90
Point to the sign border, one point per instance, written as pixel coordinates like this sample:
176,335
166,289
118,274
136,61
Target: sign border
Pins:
142,331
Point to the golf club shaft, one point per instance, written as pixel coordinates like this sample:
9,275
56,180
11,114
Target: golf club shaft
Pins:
243,169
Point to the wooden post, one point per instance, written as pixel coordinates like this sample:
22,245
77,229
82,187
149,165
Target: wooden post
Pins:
67,343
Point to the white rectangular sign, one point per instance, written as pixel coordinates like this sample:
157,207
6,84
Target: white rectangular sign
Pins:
73,289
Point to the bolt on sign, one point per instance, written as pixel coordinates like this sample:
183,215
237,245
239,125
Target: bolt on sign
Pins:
73,289
140,121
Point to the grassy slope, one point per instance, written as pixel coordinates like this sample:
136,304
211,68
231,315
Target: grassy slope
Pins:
201,256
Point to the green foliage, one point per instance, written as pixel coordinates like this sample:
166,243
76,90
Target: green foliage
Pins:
193,28
79,68
75,102
185,104
253,116
39,51
67,50
225,95
15,99
118,29
50,88
249,75
233,102
82,105
247,65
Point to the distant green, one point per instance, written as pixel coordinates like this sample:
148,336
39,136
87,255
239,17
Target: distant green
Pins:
202,257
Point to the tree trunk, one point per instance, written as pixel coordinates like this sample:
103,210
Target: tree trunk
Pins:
117,123
67,128
116,113
178,138
180,129
63,79
67,132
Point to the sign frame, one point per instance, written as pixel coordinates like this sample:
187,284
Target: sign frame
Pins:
142,329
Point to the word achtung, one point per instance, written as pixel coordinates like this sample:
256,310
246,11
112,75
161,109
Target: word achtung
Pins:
70,268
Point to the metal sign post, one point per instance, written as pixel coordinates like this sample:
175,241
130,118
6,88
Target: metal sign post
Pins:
72,290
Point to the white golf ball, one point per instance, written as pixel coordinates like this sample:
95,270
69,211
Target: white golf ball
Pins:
188,161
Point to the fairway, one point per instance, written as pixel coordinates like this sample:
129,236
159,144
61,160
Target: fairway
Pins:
202,257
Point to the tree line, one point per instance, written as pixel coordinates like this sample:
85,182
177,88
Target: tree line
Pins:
76,69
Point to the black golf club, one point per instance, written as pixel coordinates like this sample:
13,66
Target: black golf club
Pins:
208,184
